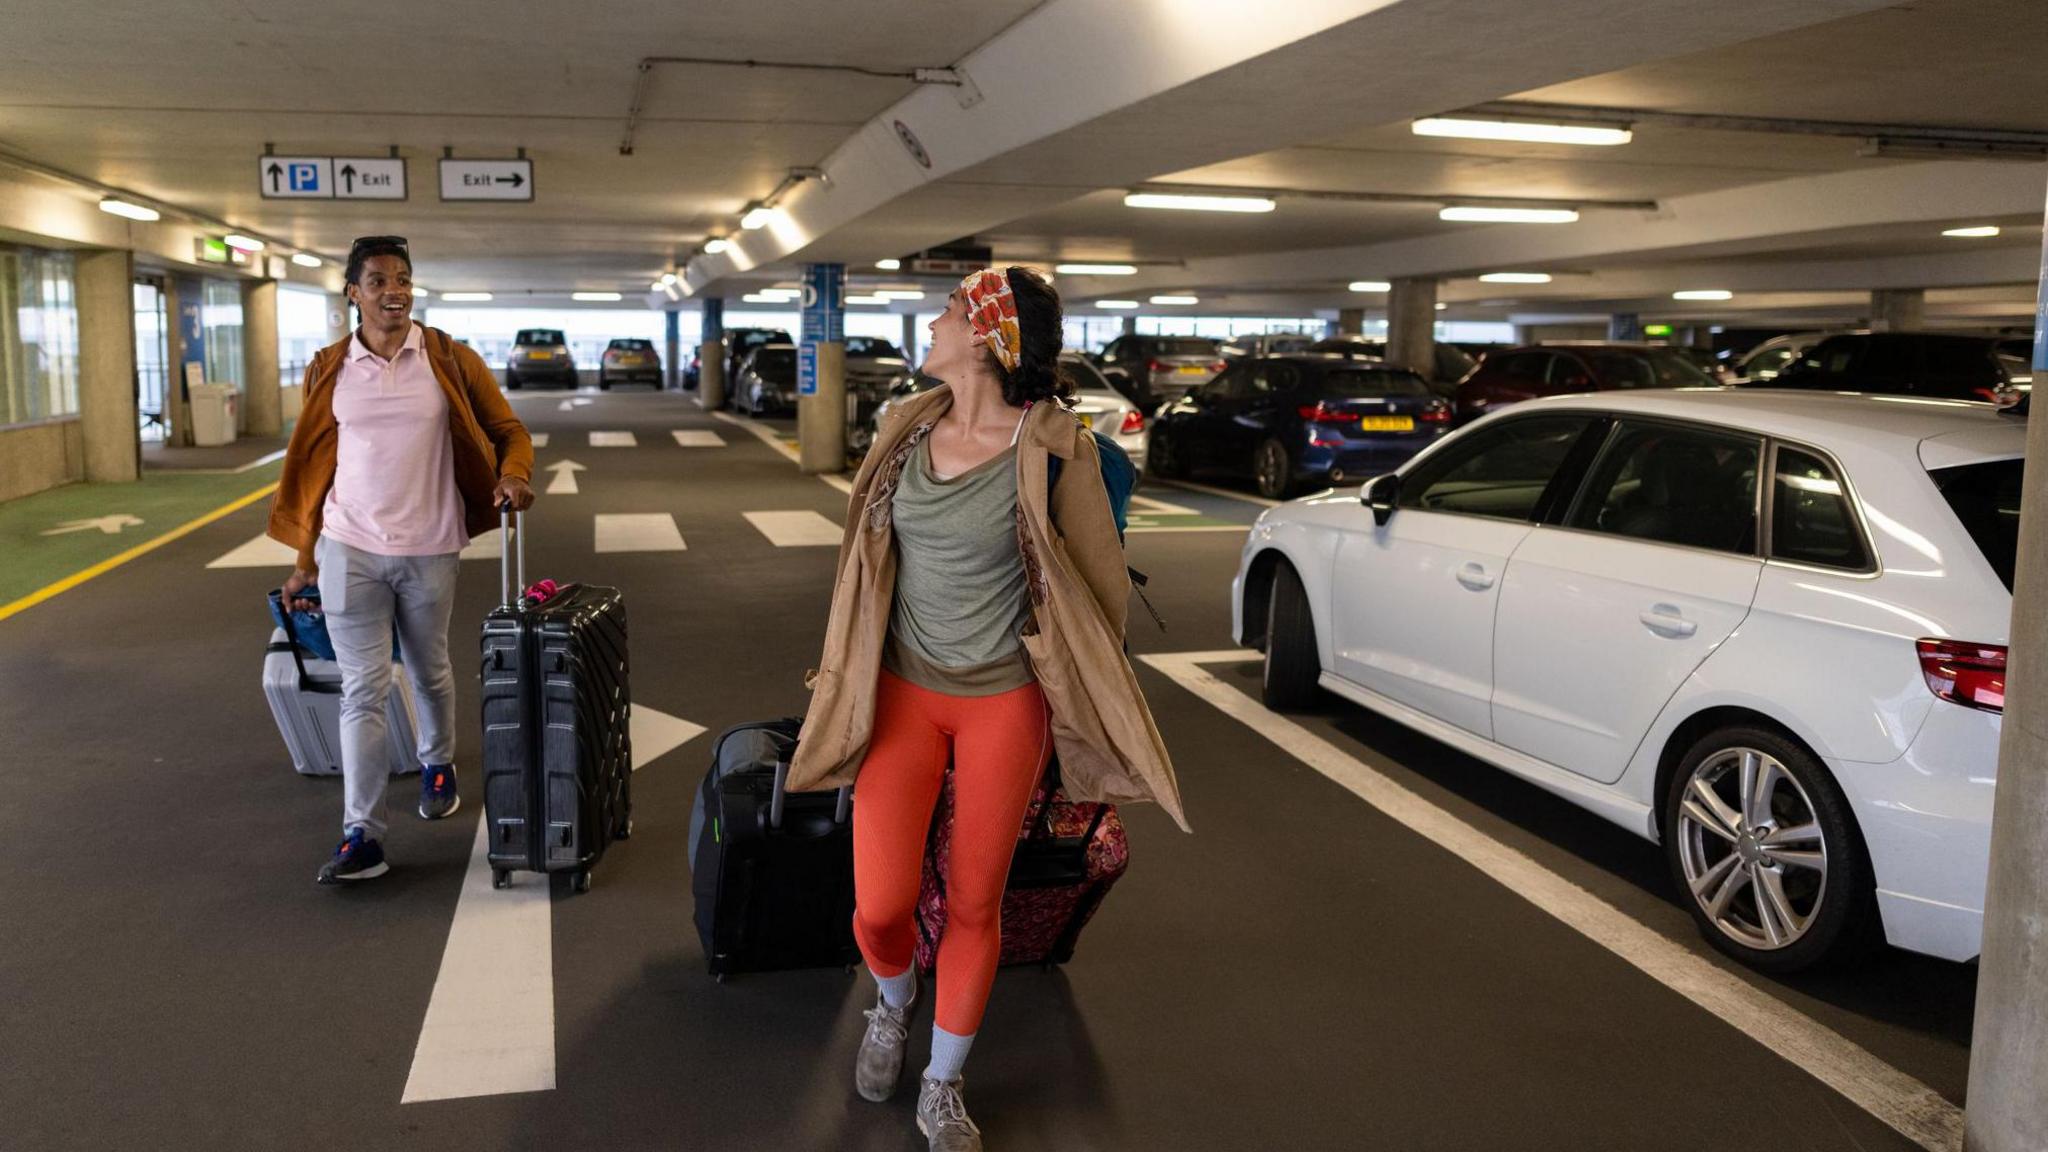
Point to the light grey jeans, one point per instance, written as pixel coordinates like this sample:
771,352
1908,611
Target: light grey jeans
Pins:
362,594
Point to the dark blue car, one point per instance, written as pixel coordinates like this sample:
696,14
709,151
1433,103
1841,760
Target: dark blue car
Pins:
1285,421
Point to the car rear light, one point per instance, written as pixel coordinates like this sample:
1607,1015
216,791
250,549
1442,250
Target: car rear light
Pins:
1134,421
1437,413
1155,365
1972,675
1218,365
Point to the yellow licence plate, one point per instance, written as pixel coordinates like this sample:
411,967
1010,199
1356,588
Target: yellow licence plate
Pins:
1386,424
1191,370
540,354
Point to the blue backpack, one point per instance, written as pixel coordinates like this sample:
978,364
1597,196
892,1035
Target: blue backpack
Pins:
1120,477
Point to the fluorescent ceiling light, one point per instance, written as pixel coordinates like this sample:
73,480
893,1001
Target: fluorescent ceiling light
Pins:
900,294
1199,203
757,298
1116,303
1371,286
594,297
131,211
1703,294
420,293
1478,215
1516,278
757,218
657,286
1971,232
1521,131
305,260
1440,305
668,277
888,265
1096,269
1176,300
466,297
715,245
243,243
778,293
865,300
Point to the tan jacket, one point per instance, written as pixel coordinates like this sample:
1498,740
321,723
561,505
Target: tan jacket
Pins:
489,441
1108,746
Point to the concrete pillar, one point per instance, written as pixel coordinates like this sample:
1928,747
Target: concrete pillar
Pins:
181,315
259,358
1130,325
2009,1045
711,356
1411,325
672,371
821,410
1350,321
107,384
1897,309
910,338
1625,326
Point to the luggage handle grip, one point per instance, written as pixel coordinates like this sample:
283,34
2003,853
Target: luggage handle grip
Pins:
291,636
511,535
840,810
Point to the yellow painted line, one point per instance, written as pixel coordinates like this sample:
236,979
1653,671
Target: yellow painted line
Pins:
112,562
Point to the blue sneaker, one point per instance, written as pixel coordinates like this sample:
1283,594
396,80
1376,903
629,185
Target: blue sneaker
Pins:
437,791
357,858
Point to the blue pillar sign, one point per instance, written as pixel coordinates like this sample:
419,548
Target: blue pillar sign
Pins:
712,326
824,319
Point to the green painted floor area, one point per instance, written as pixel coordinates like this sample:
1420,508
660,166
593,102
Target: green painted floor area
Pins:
30,559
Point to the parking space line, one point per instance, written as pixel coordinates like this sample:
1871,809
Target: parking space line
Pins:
697,438
769,437
540,439
638,532
1910,1107
804,529
614,440
1149,506
1212,490
490,1024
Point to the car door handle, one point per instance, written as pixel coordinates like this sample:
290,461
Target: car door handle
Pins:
1476,577
1665,621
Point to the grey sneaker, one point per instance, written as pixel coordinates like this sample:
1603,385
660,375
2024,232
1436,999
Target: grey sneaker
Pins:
880,1063
942,1117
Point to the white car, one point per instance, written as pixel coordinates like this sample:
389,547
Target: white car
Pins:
1795,687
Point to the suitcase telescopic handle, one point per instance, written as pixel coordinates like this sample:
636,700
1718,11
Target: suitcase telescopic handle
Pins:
511,537
291,637
781,792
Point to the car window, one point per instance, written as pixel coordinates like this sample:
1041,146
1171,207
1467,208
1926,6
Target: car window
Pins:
1811,521
1500,471
1275,376
1532,365
1767,363
870,346
1231,382
1891,357
1570,372
1183,346
1958,358
1283,345
633,345
775,363
1084,375
1835,355
1368,382
1674,485
539,336
1452,362
1986,498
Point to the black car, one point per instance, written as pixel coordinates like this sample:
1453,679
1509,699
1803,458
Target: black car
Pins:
540,356
629,361
1150,370
1936,364
767,381
1451,365
1289,419
740,343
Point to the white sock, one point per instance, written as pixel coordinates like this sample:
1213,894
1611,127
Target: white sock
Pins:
897,990
949,1054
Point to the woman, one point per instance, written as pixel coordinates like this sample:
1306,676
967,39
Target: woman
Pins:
977,619
404,449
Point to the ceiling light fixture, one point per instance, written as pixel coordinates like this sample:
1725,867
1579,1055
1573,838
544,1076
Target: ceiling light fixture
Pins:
1523,132
1096,269
1187,203
243,243
657,286
757,217
1371,286
1476,214
1973,232
1176,300
420,293
900,294
868,300
888,265
1703,294
1516,278
716,245
1440,305
758,298
132,211
1118,304
668,277
466,297
305,260
595,297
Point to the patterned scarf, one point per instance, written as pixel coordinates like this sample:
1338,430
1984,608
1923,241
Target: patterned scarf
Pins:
992,313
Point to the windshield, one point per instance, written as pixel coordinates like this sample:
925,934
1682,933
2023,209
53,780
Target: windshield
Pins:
1183,346
1344,347
539,336
870,346
1086,376
760,336
1986,498
633,345
1659,368
775,363
1358,383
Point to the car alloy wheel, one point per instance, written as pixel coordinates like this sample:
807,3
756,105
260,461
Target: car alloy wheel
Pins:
1274,471
1752,850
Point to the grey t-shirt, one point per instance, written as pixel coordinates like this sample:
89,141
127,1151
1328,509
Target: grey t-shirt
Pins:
960,599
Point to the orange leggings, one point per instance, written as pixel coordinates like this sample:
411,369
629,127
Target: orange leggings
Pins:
998,746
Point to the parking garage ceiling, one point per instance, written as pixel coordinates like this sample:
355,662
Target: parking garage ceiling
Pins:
1077,101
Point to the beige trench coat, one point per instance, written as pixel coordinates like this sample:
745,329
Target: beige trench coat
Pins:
1108,746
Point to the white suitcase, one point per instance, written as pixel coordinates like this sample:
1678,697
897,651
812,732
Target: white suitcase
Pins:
305,697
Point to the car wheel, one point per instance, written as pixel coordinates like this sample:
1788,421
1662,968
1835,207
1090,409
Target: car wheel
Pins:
511,381
604,383
1163,457
1292,664
1764,851
1274,471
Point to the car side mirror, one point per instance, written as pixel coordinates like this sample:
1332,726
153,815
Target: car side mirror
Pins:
1381,494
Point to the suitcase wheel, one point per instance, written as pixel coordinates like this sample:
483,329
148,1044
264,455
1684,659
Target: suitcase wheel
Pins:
501,877
581,881
625,831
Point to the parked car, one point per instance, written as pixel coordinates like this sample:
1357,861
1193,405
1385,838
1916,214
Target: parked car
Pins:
1099,406
1519,374
1153,370
1451,363
1288,420
539,356
1683,611
767,381
1938,364
1761,364
740,343
1706,361
1266,344
874,367
629,362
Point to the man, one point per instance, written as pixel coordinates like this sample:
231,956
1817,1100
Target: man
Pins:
405,448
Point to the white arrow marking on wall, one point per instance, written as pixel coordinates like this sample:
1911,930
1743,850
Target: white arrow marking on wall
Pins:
111,525
564,481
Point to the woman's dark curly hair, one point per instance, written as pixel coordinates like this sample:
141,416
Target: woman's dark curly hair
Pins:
1041,326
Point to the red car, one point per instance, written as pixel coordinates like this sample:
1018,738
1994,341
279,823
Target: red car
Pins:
1515,374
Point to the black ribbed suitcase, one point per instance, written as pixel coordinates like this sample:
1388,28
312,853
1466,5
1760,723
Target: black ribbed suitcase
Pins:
558,750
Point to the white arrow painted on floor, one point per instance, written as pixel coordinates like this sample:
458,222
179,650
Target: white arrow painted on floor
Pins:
565,405
564,481
111,525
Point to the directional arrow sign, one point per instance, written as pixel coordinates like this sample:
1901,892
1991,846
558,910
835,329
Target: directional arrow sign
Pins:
564,481
295,177
381,178
486,179
111,525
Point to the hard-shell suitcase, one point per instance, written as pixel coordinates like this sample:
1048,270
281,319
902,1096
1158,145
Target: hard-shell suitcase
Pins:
1067,857
558,754
305,698
771,870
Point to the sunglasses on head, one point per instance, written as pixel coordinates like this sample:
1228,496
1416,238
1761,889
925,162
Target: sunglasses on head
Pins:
363,242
